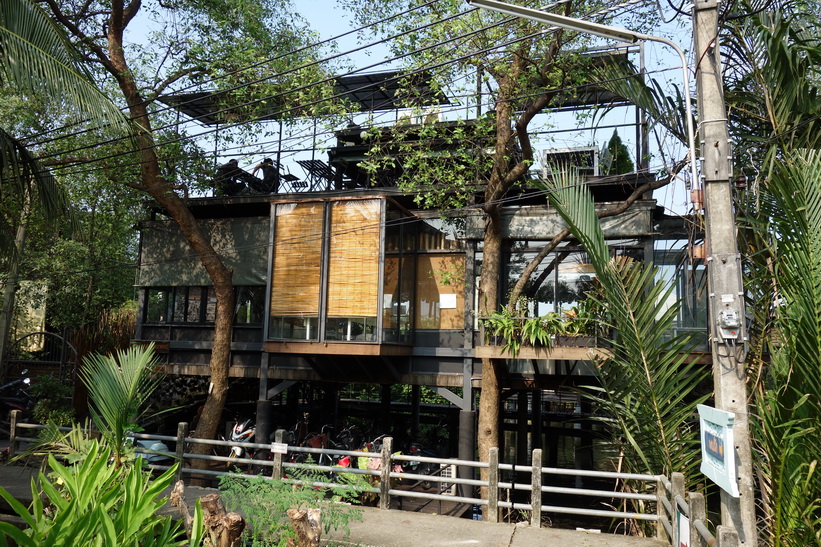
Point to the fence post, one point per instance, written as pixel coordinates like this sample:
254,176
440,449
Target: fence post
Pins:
698,511
536,489
182,433
385,478
662,494
276,472
493,485
677,480
727,536
14,415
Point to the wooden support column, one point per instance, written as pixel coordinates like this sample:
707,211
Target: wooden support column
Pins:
536,419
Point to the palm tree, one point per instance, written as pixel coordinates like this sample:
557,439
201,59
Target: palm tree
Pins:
118,387
648,387
773,94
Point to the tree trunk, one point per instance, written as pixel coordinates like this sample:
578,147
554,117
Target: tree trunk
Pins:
488,434
307,525
224,528
160,189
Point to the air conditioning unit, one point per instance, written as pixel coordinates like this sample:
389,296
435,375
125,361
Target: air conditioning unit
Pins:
585,160
447,471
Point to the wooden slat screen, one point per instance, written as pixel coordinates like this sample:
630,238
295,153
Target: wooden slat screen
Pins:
438,275
297,259
353,275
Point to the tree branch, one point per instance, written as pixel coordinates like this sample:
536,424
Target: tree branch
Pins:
162,86
78,33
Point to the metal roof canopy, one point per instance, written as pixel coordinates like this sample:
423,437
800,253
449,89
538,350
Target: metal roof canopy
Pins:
390,90
368,92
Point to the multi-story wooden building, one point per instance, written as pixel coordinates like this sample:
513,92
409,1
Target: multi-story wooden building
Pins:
340,280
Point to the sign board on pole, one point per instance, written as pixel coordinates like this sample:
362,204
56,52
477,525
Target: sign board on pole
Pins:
279,448
718,448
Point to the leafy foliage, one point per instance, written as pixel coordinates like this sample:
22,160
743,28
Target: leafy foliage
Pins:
786,423
264,501
53,401
773,60
95,503
118,387
38,57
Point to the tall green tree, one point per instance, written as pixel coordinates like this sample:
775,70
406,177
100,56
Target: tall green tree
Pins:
521,72
231,45
39,63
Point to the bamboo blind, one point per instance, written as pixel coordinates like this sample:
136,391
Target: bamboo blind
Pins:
297,259
437,275
353,274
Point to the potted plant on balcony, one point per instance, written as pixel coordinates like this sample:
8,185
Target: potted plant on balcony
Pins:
515,332
581,324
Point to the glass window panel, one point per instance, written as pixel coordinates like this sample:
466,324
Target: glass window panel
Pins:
210,306
250,305
156,305
180,300
351,329
293,328
194,307
440,292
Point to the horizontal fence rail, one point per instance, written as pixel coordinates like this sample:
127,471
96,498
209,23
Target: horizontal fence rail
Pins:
455,481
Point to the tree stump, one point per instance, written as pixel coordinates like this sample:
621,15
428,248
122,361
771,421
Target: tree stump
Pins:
307,524
177,499
224,529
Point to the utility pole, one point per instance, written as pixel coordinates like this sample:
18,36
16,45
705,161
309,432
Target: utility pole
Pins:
727,329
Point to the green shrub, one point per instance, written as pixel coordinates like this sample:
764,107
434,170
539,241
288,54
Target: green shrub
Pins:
263,502
53,404
96,503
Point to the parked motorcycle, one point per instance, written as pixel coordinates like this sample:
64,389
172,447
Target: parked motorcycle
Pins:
13,396
422,468
242,433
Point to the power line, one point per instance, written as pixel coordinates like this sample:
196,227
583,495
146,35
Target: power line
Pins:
327,80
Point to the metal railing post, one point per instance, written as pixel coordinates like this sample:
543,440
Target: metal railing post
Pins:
677,480
276,472
536,489
493,485
385,478
698,511
182,433
661,512
14,415
727,536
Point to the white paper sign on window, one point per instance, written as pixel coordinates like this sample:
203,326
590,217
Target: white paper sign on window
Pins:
447,301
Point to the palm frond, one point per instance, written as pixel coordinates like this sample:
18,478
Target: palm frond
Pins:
36,56
663,108
118,388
